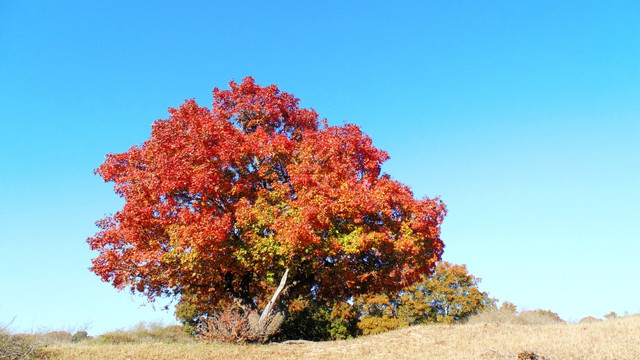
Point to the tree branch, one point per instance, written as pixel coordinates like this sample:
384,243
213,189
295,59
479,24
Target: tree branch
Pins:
267,310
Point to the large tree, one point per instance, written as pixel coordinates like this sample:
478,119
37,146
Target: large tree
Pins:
220,202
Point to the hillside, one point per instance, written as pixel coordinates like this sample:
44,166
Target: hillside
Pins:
614,339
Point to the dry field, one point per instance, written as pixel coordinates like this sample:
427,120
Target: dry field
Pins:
614,339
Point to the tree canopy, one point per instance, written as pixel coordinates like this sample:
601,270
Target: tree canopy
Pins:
220,202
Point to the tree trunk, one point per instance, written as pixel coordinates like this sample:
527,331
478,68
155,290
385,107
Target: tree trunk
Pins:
240,296
267,310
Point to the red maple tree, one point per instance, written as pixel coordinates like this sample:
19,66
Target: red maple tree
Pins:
220,202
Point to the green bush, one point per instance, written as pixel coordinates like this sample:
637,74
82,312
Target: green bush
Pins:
307,320
79,336
318,321
189,315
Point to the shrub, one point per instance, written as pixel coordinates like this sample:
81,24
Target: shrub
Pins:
236,326
508,307
16,347
375,325
611,316
79,336
189,314
344,321
317,320
307,320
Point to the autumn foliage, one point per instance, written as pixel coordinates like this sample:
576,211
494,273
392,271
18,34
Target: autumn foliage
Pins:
220,202
449,295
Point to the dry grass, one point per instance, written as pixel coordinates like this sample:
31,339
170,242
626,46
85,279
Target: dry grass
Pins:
144,333
18,347
615,339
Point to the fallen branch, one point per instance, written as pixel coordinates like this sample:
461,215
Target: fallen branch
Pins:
296,342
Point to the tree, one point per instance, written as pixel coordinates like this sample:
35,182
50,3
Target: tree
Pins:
449,295
221,202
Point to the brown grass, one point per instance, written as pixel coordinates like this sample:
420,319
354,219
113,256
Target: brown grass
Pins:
614,339
18,347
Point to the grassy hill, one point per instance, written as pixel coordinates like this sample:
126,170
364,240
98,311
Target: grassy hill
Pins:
612,339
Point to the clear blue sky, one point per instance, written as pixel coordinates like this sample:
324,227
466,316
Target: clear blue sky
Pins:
524,116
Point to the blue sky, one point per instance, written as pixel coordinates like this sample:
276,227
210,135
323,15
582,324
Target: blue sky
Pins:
524,116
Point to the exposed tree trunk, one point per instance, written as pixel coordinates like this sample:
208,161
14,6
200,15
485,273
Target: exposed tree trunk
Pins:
241,297
267,310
